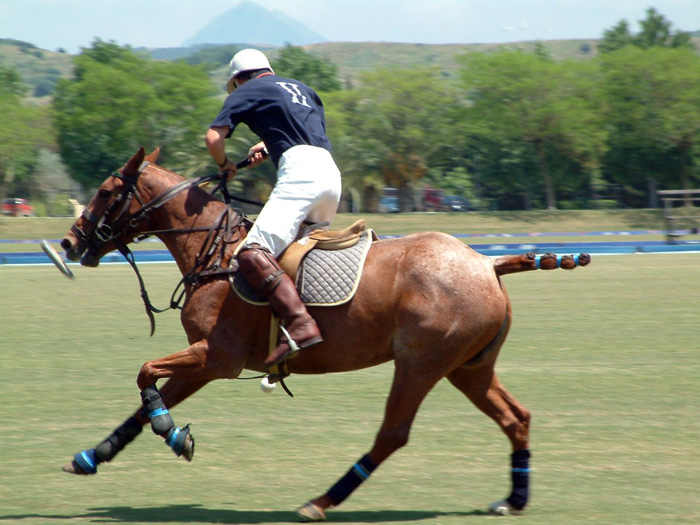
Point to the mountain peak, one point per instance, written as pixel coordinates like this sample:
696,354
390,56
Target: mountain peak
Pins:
249,23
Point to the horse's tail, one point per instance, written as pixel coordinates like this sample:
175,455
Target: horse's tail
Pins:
529,261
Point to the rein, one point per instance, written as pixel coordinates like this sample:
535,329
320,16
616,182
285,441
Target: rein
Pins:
123,224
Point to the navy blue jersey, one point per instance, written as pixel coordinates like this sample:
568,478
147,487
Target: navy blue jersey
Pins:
283,112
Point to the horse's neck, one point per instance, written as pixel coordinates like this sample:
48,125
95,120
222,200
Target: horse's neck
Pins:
185,221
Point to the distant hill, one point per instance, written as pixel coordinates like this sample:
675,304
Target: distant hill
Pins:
41,69
352,59
192,54
248,22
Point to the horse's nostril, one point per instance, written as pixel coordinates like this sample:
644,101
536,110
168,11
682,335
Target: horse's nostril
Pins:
66,244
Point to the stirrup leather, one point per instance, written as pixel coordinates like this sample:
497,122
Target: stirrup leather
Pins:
280,371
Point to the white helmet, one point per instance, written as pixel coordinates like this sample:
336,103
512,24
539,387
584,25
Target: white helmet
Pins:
246,60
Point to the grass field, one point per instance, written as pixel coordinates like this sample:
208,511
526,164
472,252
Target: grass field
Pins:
606,358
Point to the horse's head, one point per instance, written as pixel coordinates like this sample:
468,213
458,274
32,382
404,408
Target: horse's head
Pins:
108,218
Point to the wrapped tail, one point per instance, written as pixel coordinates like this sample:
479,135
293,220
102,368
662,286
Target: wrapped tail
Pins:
529,261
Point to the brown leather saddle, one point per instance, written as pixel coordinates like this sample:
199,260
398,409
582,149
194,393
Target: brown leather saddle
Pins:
325,265
322,240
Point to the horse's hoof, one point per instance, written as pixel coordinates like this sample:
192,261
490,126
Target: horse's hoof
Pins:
503,508
74,468
311,512
181,441
188,448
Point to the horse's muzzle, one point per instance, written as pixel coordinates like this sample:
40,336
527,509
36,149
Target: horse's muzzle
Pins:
73,252
77,252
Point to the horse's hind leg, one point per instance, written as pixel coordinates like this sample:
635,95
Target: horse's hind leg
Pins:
86,461
407,393
491,397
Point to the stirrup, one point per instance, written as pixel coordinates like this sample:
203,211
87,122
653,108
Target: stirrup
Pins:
291,352
294,347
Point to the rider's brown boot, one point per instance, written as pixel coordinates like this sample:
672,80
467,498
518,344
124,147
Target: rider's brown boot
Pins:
268,279
299,328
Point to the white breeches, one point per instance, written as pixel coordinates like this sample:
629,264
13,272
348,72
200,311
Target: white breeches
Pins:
308,188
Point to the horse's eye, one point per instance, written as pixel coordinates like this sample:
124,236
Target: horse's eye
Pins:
104,194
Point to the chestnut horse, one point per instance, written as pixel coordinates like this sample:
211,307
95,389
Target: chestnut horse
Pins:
426,301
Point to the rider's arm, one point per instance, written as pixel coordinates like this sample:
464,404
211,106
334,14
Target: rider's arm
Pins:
216,145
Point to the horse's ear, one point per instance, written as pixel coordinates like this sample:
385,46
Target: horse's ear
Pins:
153,156
132,167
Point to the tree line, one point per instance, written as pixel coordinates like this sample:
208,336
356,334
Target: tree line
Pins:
510,130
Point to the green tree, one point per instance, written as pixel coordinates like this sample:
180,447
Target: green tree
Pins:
52,184
11,82
394,126
654,109
347,150
616,38
23,130
655,32
553,107
212,57
120,101
358,157
294,62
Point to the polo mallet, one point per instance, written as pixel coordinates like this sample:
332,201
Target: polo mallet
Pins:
56,259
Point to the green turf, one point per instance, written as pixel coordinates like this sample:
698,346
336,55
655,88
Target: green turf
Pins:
605,357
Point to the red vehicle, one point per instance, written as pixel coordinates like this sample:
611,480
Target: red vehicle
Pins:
432,199
15,207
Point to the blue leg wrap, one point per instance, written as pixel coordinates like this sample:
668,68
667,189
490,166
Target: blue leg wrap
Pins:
354,477
176,439
87,461
157,412
520,476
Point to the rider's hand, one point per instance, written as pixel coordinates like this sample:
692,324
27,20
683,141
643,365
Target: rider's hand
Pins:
257,154
227,170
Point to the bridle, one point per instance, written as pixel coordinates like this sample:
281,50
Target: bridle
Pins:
103,231
125,223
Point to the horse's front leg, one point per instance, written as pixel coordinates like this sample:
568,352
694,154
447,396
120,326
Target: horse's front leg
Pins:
86,461
187,371
199,362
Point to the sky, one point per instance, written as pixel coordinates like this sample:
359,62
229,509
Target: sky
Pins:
72,24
